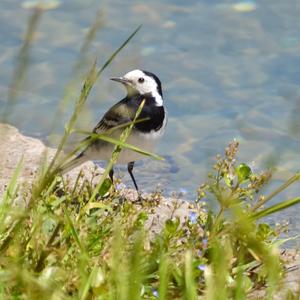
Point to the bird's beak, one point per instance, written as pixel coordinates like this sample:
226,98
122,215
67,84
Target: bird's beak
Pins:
122,80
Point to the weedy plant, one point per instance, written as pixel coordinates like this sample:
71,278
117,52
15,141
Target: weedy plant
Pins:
72,246
80,241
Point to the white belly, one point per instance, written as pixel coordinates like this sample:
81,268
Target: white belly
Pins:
142,141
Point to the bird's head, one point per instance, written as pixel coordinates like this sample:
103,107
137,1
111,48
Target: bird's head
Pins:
141,82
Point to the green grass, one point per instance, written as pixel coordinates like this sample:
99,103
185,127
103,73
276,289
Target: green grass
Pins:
71,245
80,241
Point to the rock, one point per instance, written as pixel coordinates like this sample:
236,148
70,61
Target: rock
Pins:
14,146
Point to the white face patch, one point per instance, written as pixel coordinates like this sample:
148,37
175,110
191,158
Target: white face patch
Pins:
144,84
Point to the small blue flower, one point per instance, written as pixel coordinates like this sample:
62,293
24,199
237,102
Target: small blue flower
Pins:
120,186
155,293
193,217
201,267
204,242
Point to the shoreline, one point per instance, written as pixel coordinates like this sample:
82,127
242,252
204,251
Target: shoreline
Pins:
14,145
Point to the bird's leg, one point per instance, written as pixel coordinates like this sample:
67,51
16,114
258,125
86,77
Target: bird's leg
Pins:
130,168
111,175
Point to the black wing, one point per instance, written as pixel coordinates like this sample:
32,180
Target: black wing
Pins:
117,115
125,111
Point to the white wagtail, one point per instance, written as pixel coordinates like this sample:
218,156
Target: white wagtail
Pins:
140,85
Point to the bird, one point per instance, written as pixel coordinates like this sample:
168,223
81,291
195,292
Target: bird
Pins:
140,85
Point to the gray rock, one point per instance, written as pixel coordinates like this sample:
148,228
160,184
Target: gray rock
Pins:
14,146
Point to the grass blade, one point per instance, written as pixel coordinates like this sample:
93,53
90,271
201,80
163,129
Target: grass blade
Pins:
87,86
116,153
22,62
281,188
92,76
81,62
128,146
86,142
12,186
75,234
163,277
190,286
135,268
117,51
277,207
84,293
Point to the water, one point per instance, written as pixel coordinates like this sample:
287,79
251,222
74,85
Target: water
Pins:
226,74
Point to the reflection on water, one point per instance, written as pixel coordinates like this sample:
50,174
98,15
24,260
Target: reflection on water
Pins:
227,73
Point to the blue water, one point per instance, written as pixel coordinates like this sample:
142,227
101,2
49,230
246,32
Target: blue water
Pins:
226,74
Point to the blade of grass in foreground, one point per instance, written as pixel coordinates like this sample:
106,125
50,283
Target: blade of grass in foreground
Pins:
92,76
163,277
115,155
117,51
87,142
128,146
6,207
281,188
275,208
190,286
113,129
75,235
118,275
87,86
22,62
80,63
10,191
84,291
135,269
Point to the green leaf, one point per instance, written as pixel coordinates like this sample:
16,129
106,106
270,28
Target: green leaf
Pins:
277,207
95,279
209,221
141,219
75,234
243,172
97,205
104,188
172,225
264,231
280,242
128,146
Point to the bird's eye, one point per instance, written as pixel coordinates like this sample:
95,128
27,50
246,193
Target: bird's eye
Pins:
141,80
